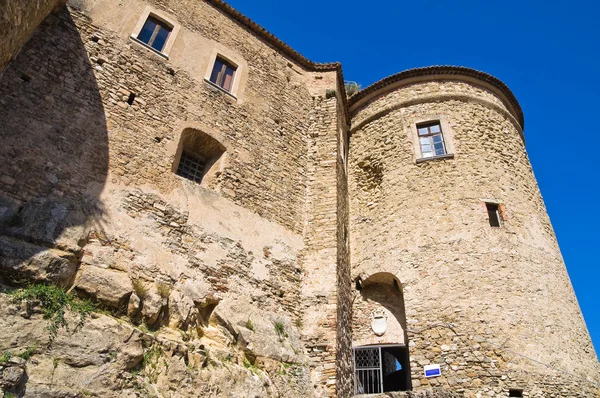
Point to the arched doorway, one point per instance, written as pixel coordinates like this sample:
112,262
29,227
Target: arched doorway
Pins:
380,347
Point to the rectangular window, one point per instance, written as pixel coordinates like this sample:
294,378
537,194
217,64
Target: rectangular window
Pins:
222,74
431,140
515,392
155,33
191,167
493,214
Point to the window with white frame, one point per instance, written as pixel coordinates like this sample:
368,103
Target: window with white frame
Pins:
155,33
223,73
431,139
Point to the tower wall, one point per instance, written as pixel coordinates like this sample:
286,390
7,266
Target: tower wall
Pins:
89,198
491,305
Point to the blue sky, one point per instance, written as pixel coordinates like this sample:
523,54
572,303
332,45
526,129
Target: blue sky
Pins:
547,52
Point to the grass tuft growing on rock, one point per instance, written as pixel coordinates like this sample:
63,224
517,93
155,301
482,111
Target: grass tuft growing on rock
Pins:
140,288
163,290
249,324
53,302
280,329
28,353
5,357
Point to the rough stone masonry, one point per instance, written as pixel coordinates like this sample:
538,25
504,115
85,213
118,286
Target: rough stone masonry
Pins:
316,229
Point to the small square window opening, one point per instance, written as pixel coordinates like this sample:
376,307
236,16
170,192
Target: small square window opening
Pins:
493,214
191,167
431,140
155,33
515,392
222,74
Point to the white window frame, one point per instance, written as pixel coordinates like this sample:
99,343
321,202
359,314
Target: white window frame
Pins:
232,59
447,137
156,14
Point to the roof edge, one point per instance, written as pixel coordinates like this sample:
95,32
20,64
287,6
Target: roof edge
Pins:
271,38
440,70
281,46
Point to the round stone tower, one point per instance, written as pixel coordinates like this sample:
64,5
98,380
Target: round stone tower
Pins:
453,255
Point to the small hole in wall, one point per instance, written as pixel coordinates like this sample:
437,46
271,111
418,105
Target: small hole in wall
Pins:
357,284
25,77
100,61
157,139
131,98
95,39
515,392
493,214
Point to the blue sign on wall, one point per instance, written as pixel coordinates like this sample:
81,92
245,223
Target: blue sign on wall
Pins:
432,370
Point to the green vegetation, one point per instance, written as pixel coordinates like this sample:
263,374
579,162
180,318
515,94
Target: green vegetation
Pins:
352,88
250,366
298,322
184,335
28,353
9,395
150,363
54,302
249,324
280,329
5,357
140,288
164,290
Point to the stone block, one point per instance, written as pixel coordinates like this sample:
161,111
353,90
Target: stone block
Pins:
111,288
22,262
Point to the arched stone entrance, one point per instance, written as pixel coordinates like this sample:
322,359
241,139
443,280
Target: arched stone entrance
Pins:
380,340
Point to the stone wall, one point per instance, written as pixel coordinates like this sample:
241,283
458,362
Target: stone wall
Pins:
426,223
18,20
244,284
344,362
89,199
319,292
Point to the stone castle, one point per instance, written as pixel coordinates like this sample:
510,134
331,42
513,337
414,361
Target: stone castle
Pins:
249,228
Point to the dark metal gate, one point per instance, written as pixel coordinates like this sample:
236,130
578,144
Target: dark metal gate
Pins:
367,370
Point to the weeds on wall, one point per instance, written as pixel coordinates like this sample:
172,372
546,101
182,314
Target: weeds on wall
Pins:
249,324
140,288
280,330
351,88
163,290
28,353
53,302
150,363
5,357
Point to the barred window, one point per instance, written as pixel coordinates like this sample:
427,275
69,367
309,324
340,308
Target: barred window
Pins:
431,140
198,157
191,167
379,369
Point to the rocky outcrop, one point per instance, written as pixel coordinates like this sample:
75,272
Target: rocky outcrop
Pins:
26,262
110,357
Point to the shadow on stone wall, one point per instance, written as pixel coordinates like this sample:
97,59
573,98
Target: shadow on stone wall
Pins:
54,155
